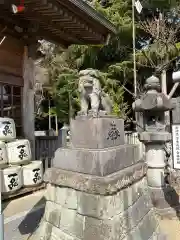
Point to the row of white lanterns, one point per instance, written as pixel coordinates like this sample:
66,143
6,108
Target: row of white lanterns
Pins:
17,167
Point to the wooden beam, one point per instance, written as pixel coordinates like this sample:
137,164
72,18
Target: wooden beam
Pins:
55,11
34,16
56,22
81,14
11,79
8,17
28,36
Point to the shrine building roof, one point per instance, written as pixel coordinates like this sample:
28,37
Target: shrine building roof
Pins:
60,21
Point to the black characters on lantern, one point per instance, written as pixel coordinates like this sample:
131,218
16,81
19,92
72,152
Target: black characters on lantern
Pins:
6,129
22,153
37,175
13,181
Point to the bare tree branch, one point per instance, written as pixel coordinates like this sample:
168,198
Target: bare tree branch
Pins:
163,51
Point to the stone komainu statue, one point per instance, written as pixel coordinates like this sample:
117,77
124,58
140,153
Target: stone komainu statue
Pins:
93,99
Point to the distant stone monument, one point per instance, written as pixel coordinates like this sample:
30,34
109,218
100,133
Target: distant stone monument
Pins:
97,188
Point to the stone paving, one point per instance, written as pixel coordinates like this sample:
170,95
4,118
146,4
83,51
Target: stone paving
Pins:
18,226
22,216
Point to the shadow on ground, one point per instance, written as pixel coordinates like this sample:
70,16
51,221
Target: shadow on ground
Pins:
172,198
31,221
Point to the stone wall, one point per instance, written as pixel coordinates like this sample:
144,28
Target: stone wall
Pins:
84,207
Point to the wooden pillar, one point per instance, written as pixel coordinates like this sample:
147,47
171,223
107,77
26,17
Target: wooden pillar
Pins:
28,100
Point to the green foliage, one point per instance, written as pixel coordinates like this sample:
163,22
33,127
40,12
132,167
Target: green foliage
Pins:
64,65
114,60
65,94
163,5
157,56
116,93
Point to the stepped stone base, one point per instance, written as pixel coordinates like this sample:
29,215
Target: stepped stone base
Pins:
99,162
86,207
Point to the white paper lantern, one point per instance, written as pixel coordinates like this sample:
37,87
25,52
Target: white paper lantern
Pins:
19,152
11,179
32,174
3,154
7,129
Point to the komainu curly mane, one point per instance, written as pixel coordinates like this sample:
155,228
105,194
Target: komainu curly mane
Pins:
93,99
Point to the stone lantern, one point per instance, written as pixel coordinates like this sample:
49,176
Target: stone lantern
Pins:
151,108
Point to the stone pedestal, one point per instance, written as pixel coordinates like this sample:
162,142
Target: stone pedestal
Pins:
156,157
97,189
99,162
97,133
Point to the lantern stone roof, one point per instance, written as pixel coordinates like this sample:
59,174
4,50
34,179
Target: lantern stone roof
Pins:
60,21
